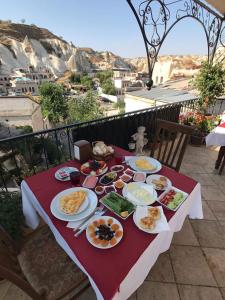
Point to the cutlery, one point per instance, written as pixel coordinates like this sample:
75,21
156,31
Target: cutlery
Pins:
86,224
97,210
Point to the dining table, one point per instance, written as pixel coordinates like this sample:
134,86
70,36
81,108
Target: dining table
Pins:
217,138
117,272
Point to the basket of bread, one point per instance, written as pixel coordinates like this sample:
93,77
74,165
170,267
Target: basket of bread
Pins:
101,151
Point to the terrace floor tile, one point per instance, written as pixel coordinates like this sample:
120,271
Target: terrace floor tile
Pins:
192,292
216,260
185,236
209,233
162,270
157,291
207,212
218,209
212,193
190,266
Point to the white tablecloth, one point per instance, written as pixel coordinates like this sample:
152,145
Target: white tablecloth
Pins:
192,207
216,137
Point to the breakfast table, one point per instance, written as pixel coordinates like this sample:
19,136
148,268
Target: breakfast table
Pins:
217,138
117,272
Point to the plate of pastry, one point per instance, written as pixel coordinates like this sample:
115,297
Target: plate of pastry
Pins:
94,167
140,193
145,164
150,219
159,182
104,232
73,204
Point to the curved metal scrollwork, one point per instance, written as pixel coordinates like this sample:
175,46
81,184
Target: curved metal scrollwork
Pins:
156,18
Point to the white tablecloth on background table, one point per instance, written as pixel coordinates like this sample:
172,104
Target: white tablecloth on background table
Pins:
192,207
217,136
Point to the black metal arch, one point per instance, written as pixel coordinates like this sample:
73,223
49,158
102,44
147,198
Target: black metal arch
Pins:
156,18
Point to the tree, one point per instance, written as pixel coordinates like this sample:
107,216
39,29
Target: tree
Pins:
85,108
104,76
210,83
23,21
108,87
53,102
87,81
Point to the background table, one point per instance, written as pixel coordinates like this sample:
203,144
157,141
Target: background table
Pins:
118,272
217,138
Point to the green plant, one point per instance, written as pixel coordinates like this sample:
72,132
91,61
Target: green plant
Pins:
53,102
108,87
210,84
11,214
85,108
87,81
103,76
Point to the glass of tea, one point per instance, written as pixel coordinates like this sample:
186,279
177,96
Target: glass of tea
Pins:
75,177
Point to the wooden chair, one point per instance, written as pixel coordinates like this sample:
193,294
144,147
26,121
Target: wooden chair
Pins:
170,142
40,268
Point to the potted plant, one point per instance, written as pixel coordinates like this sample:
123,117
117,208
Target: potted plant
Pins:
202,125
210,84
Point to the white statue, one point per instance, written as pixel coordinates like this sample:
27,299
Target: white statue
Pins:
140,139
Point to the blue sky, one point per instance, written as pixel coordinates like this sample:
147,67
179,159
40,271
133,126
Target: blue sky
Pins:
101,25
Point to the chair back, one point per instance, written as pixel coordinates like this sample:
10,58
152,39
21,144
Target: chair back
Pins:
9,265
170,143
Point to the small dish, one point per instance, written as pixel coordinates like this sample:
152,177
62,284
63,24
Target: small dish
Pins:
117,168
90,182
126,178
108,178
99,190
139,177
129,172
119,184
110,188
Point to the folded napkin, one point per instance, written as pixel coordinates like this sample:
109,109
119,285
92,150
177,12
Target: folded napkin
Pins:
76,224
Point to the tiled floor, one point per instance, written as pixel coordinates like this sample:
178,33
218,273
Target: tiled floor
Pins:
194,267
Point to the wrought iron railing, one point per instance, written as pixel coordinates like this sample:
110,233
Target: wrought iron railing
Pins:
28,154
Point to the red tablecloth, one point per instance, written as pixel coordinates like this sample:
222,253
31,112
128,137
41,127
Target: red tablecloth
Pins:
107,268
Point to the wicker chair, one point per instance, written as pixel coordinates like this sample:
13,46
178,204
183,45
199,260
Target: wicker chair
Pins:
40,268
170,143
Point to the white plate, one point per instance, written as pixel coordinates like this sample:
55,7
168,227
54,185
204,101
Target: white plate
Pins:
161,224
156,177
115,221
103,172
92,203
70,169
151,160
136,201
176,190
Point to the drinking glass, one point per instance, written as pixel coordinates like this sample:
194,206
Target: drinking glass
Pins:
75,177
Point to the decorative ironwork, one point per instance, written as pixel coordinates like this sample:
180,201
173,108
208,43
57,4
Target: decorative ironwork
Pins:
156,18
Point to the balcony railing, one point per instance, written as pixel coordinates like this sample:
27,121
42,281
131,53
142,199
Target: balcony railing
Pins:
29,154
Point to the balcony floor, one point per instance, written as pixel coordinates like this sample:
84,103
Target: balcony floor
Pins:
194,267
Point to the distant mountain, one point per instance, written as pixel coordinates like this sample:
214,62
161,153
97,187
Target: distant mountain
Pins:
25,45
28,45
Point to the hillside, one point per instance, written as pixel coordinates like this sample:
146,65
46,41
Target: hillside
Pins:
25,45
